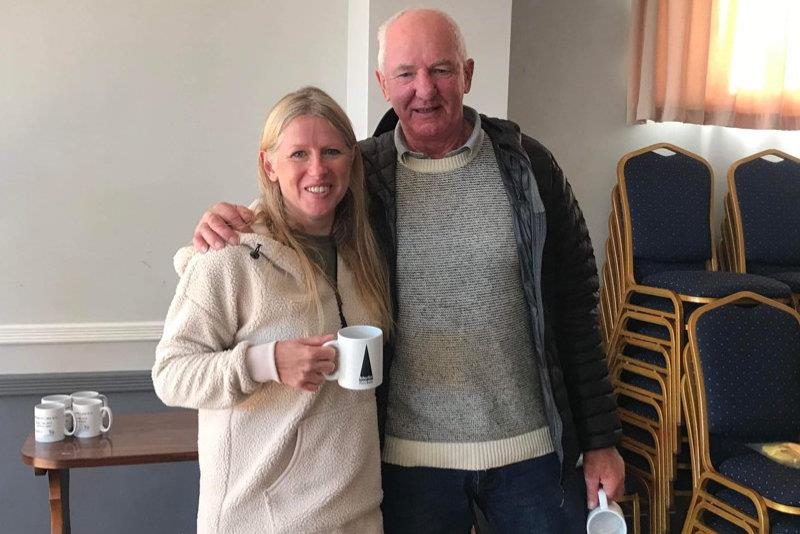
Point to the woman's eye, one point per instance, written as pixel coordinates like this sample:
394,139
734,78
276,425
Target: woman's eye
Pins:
298,154
332,152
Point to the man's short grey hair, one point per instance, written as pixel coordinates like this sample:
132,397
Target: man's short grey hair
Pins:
461,48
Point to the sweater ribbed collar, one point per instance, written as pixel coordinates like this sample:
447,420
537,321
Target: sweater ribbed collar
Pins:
455,159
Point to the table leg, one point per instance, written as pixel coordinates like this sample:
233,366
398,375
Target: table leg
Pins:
59,500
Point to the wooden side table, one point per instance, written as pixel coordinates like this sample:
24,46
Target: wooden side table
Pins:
133,439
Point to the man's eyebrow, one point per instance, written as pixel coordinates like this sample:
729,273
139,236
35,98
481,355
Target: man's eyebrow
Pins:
404,67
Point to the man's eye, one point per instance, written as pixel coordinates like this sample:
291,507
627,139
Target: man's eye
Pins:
441,71
404,75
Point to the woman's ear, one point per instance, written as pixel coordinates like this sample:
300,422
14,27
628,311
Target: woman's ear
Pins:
267,166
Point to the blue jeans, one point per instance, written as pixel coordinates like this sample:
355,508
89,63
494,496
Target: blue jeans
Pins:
525,497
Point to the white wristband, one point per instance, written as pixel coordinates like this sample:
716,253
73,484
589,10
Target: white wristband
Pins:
261,362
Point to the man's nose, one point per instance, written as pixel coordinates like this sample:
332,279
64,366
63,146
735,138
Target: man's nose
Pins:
425,87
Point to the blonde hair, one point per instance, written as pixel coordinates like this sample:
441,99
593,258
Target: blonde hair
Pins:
355,242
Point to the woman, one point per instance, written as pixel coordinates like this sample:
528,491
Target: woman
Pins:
281,449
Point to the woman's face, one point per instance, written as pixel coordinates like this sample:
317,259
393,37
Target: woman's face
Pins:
311,164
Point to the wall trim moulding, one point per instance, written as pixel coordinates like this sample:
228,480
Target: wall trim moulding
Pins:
48,383
31,334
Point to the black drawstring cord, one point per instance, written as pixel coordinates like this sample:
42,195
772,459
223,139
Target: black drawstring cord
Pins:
342,320
255,254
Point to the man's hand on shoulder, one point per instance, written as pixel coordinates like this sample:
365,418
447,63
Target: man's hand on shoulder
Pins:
603,467
218,226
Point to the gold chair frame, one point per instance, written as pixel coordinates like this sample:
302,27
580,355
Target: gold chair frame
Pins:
613,276
704,472
732,246
619,310
657,519
661,478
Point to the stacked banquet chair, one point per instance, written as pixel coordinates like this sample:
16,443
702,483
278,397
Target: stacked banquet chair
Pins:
613,279
639,474
660,265
742,388
760,228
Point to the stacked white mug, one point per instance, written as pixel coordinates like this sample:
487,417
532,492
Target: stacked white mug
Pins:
49,422
66,400
90,395
81,414
89,408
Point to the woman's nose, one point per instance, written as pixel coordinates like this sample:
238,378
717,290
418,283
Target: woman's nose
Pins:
316,165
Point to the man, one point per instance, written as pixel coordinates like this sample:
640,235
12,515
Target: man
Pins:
495,382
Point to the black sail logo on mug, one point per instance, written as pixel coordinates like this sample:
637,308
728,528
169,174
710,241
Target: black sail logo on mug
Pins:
366,369
359,357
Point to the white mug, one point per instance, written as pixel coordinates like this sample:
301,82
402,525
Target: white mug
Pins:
359,362
49,424
607,518
66,400
90,395
89,417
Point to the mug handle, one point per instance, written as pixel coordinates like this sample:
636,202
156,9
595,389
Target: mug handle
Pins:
74,423
601,495
107,411
104,399
334,375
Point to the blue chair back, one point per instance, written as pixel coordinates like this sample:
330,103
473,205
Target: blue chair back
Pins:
750,359
768,195
669,200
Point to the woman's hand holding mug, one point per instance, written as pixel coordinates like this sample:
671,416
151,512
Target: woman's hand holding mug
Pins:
303,363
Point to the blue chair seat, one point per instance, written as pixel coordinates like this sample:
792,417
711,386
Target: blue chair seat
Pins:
637,407
716,284
641,382
722,448
779,523
637,434
791,279
774,481
634,459
644,355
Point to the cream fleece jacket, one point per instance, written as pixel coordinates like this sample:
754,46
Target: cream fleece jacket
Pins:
272,458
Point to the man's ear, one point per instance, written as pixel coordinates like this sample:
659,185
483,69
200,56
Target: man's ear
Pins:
382,83
469,67
263,158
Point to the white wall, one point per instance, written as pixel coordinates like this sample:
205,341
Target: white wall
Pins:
122,121
568,89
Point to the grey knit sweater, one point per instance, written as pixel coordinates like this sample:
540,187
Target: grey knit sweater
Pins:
465,390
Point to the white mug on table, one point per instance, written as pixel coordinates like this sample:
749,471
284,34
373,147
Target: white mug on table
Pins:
90,395
359,357
66,400
89,417
49,424
607,518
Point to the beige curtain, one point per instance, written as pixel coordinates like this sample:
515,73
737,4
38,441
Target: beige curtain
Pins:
724,62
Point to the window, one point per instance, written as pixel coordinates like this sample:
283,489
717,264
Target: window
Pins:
724,62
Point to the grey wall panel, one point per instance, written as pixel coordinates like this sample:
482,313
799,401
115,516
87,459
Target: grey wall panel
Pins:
157,498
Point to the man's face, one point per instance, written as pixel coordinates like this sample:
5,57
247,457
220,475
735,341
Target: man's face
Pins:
424,78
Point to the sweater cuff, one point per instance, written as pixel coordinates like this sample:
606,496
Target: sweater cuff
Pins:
261,362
